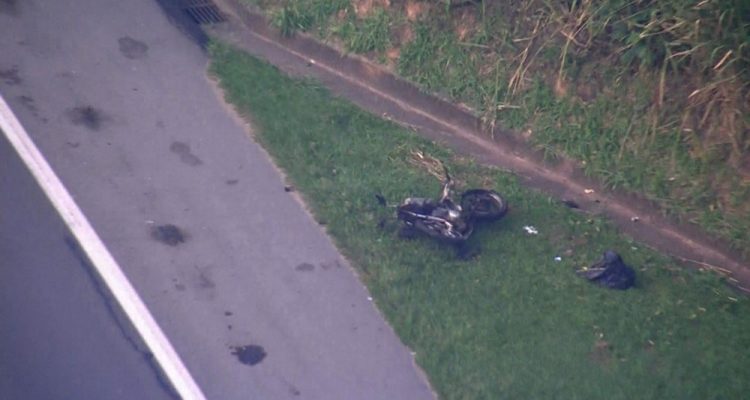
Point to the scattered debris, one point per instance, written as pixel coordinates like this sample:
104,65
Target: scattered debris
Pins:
588,191
610,272
634,219
530,230
288,188
381,223
558,258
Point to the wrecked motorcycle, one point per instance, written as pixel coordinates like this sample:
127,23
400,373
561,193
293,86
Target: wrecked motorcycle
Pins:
446,220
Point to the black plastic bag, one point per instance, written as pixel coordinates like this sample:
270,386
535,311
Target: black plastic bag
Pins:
610,272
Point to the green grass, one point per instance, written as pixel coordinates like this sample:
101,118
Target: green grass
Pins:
513,323
654,95
371,34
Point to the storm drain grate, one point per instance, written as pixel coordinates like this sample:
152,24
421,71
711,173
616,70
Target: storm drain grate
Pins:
203,11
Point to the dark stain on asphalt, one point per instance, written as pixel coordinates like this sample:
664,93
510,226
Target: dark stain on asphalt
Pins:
10,75
293,390
9,7
328,265
168,234
88,117
29,103
204,282
180,287
305,267
131,48
249,355
228,313
183,151
231,182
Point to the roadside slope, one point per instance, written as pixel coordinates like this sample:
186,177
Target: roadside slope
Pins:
375,89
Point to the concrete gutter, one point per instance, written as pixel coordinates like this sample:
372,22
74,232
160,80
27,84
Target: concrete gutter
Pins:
373,88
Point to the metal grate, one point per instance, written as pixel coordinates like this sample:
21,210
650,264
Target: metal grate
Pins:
203,11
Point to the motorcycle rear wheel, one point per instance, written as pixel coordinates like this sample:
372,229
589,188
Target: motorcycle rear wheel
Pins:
481,204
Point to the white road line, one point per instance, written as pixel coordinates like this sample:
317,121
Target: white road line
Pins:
99,256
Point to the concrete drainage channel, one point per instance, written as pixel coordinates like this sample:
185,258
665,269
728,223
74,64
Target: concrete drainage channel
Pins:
375,89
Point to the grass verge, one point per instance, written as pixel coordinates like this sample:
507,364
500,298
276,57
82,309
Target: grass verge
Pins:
513,323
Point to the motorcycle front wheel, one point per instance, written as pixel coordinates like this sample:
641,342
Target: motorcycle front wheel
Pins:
481,204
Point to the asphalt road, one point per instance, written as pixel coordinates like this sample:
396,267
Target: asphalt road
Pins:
61,335
249,289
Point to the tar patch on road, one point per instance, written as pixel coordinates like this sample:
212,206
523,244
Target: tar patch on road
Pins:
185,154
131,48
249,355
168,234
88,117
